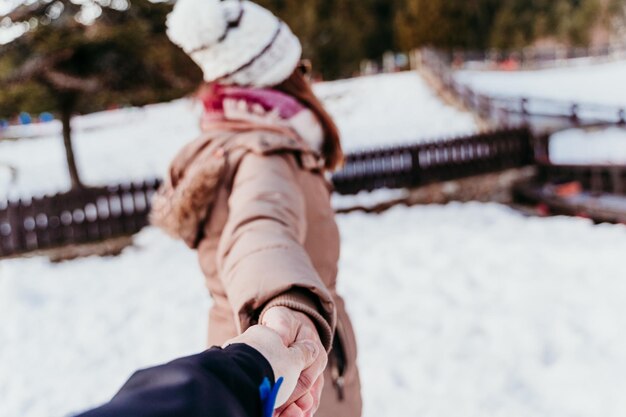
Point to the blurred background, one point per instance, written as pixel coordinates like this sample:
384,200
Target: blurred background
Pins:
482,203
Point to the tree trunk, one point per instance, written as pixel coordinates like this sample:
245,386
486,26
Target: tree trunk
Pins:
66,116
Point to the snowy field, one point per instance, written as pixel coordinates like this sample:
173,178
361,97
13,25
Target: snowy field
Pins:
594,84
376,110
460,310
464,310
390,109
140,149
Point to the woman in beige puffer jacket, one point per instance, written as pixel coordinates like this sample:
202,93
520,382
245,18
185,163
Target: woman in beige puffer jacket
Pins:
251,195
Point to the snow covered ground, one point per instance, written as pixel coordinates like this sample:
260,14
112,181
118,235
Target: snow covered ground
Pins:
460,310
92,121
388,109
594,84
139,149
72,332
368,199
376,110
578,146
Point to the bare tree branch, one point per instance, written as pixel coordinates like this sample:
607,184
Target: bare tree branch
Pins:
70,83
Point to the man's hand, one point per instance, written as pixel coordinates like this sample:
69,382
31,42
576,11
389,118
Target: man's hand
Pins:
288,362
295,327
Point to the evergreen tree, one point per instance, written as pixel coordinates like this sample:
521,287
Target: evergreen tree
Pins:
503,24
337,34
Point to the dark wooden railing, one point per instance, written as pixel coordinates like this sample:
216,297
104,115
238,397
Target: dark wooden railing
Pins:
430,162
96,214
80,216
502,111
595,178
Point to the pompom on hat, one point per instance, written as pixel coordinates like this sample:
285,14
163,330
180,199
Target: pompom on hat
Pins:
235,41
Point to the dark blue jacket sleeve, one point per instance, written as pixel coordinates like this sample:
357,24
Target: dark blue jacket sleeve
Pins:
215,383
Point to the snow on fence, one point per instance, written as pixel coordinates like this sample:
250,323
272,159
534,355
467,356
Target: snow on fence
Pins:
78,216
437,161
542,114
96,214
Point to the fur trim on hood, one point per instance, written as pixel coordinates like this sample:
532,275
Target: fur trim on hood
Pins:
183,203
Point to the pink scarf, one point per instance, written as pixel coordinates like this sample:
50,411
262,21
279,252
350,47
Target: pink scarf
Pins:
237,108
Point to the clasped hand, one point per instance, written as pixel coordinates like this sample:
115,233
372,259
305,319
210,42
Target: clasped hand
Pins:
290,342
295,327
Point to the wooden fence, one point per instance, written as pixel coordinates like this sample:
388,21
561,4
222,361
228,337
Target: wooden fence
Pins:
503,111
79,216
96,214
595,178
430,162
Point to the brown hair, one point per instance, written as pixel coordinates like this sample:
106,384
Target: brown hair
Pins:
298,87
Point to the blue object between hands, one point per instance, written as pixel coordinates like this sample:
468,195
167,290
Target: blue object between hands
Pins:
268,395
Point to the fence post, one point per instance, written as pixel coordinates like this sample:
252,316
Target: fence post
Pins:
416,169
541,147
6,242
17,229
597,183
575,119
617,180
41,222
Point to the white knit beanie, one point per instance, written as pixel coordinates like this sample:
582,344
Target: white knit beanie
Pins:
235,41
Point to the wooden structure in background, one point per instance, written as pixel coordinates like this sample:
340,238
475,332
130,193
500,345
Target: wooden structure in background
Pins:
80,216
97,214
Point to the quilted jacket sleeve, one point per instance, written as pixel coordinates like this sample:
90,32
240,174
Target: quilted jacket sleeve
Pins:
261,258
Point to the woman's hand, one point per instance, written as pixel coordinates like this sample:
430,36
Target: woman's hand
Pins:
288,362
295,327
